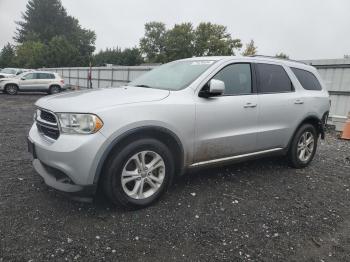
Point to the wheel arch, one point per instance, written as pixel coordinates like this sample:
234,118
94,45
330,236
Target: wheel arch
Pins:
313,120
10,83
163,134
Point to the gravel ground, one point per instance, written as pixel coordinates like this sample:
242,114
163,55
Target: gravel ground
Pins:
261,210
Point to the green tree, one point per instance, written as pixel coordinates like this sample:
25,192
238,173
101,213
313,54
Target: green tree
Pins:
153,42
250,49
213,39
131,57
7,56
179,42
62,53
44,20
282,55
116,56
108,56
31,54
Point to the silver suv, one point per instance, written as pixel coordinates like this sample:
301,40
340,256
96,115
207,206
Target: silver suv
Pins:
131,141
41,81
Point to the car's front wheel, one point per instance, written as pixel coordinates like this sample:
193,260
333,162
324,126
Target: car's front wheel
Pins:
303,146
11,89
137,175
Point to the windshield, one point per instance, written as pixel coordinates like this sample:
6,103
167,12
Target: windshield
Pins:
173,76
8,71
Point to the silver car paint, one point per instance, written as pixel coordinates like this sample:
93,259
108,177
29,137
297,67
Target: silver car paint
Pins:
208,129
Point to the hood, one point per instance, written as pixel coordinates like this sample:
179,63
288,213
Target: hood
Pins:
5,78
90,101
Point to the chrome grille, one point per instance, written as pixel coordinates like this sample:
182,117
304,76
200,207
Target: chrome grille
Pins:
47,124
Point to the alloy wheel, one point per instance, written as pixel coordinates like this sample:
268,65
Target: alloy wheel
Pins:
54,90
306,145
143,174
11,89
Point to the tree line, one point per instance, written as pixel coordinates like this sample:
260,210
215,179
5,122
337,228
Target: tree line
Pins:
48,37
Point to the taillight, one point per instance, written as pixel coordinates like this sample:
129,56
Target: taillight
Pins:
62,81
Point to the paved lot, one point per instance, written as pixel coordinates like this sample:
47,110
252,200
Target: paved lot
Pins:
259,211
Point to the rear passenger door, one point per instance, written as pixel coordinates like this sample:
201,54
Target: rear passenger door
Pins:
280,106
44,79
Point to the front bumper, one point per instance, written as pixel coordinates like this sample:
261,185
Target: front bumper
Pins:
61,184
66,164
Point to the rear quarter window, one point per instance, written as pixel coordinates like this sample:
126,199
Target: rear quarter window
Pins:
307,79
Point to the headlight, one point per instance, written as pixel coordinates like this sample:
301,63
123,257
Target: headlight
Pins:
79,123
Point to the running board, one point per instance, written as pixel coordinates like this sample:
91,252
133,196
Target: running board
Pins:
236,157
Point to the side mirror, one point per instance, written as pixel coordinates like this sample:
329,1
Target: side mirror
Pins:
22,78
213,88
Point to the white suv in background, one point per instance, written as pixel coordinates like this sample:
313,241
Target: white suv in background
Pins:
41,81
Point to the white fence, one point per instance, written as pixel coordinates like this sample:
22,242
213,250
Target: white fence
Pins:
336,75
101,76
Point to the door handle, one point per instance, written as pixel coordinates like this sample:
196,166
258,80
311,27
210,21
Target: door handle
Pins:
298,102
249,105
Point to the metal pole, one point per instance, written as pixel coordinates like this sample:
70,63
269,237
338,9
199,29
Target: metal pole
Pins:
98,79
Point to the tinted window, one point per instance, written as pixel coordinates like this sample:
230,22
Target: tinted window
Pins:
237,79
45,76
307,79
273,79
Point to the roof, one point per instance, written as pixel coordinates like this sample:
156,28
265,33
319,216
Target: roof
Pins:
287,62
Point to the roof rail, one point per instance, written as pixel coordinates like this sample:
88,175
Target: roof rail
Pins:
274,57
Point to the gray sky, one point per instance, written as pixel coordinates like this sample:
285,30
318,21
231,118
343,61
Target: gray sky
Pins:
304,29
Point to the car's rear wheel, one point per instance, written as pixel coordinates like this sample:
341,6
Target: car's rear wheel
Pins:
303,147
54,90
11,89
137,175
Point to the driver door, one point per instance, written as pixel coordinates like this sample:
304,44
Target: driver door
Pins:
227,125
28,82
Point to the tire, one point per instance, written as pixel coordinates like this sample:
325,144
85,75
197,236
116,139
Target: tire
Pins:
304,140
11,89
54,90
124,162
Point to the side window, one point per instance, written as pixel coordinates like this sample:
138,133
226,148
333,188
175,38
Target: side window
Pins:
237,79
273,79
307,79
52,76
43,76
30,76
